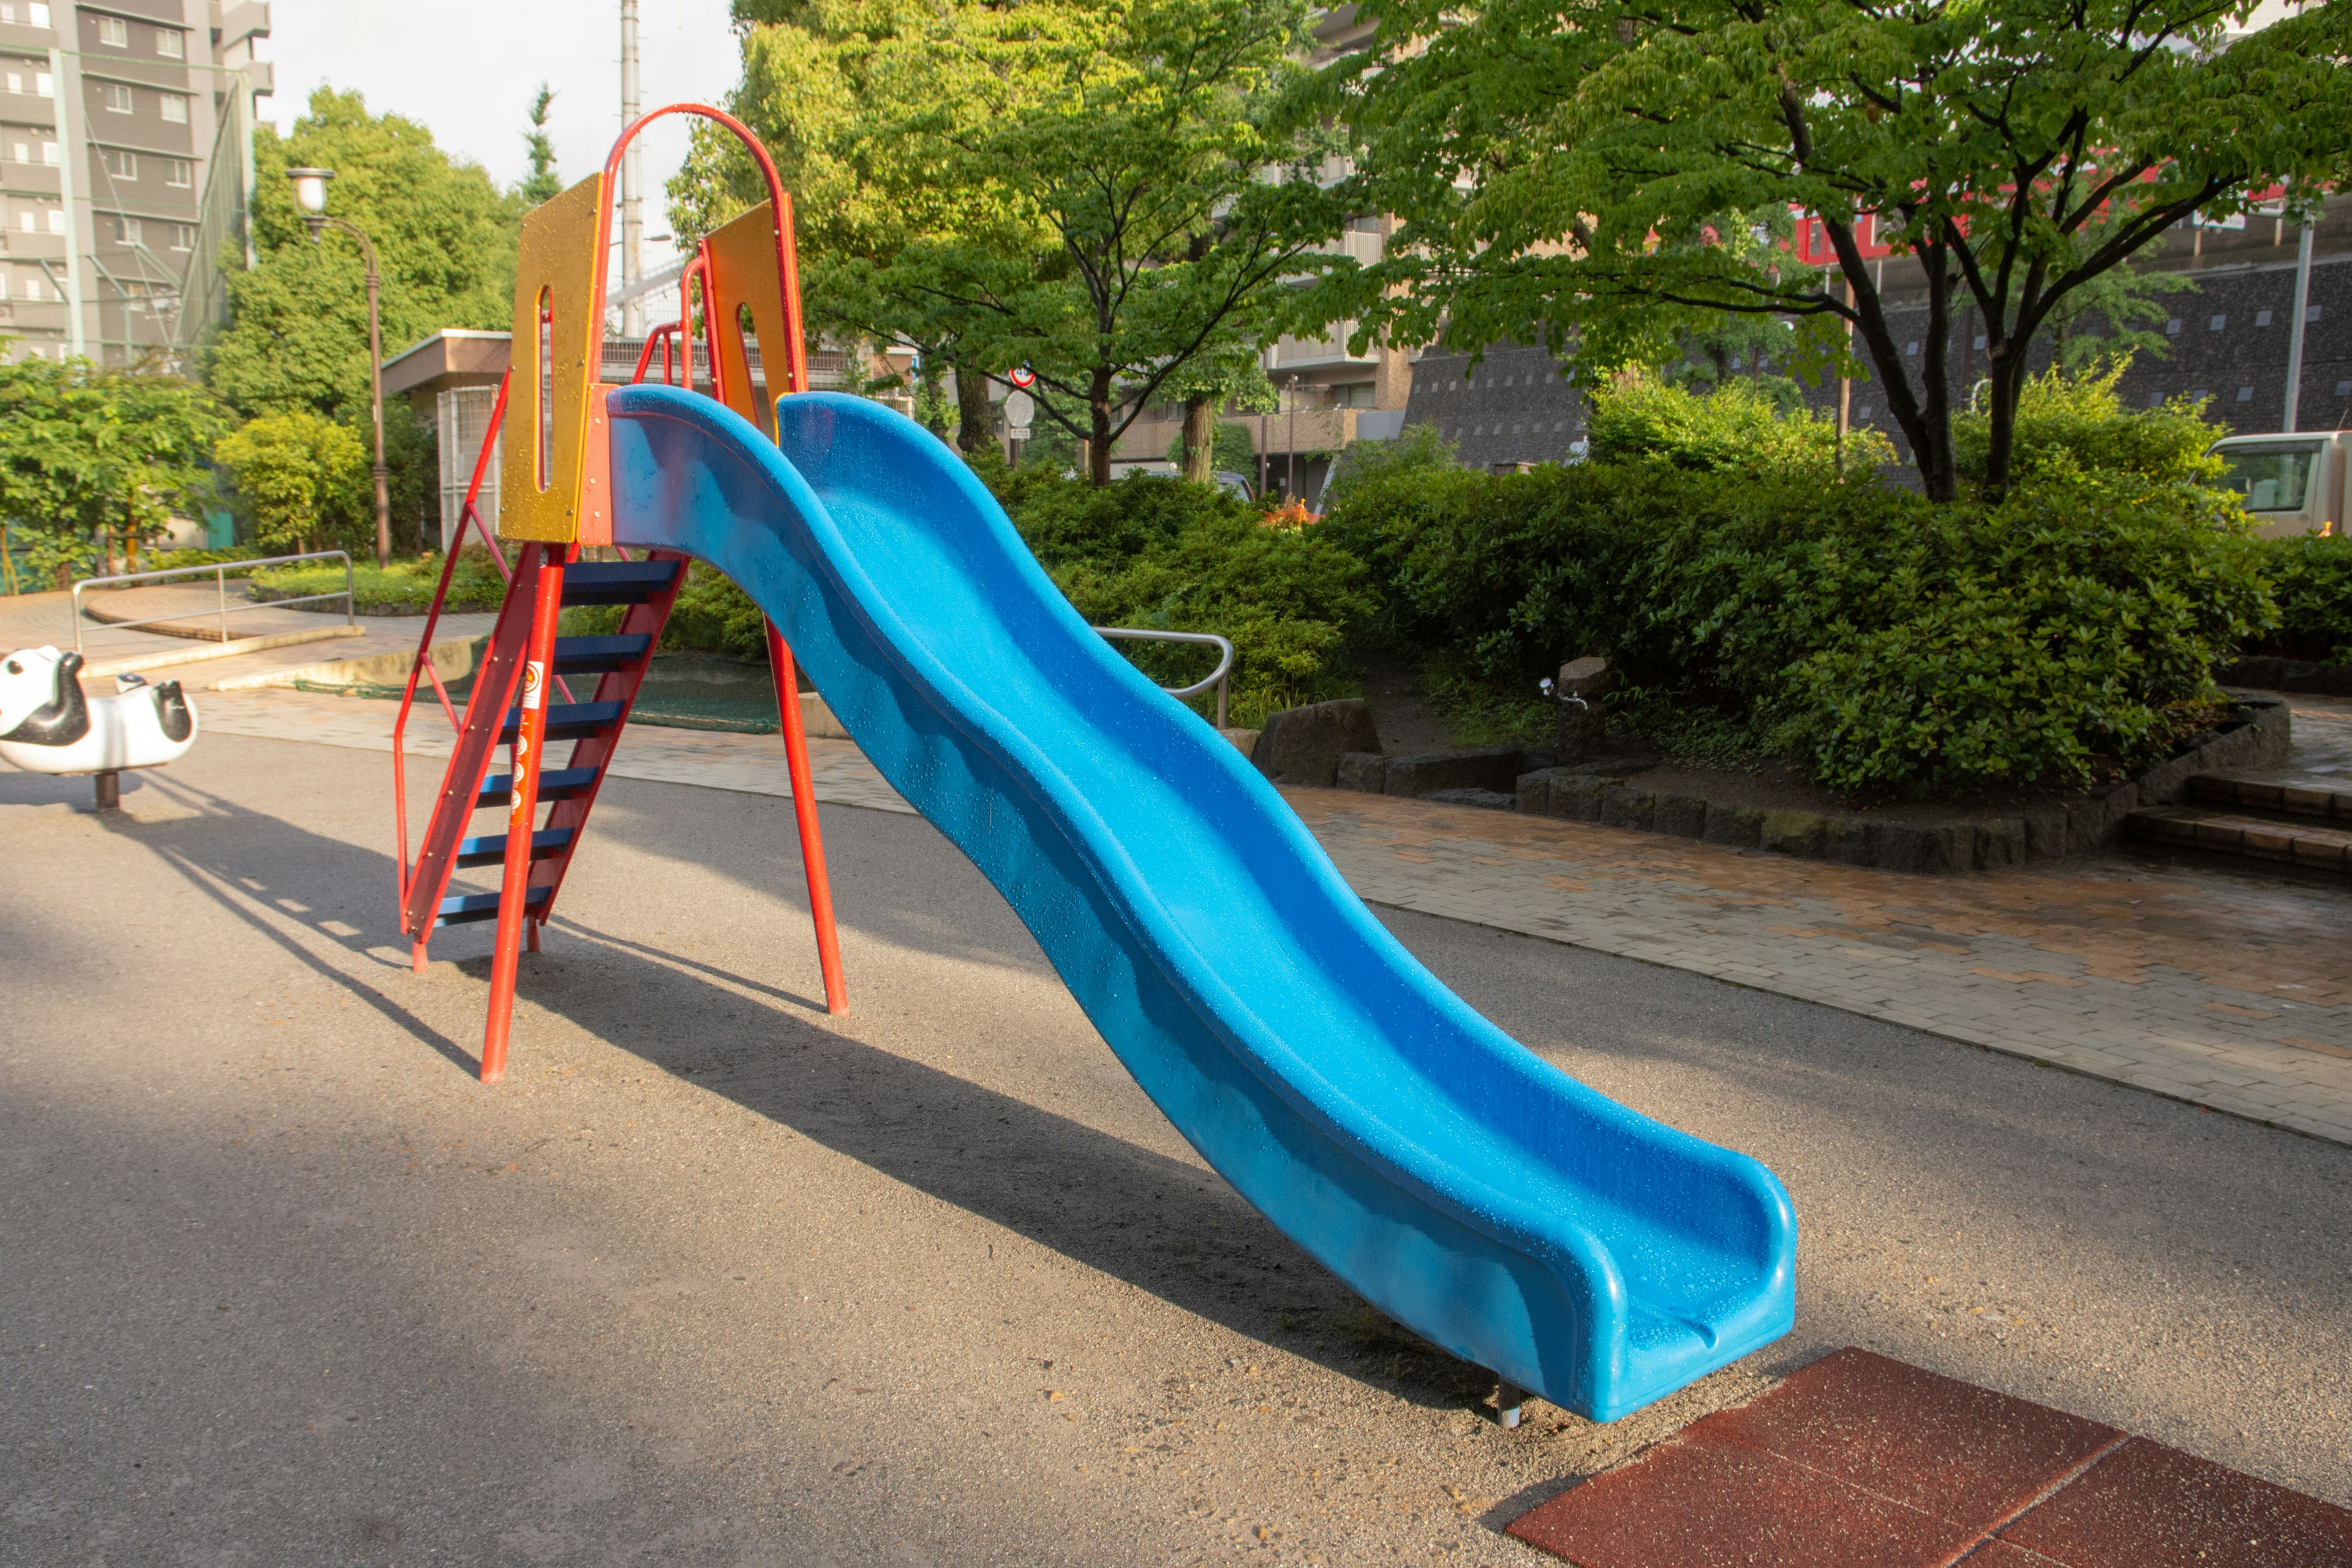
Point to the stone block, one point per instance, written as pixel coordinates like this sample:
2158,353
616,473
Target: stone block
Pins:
1365,771
1574,796
2096,821
1998,844
2046,833
1304,745
1244,741
1684,816
1794,833
1492,768
1850,841
1740,826
1922,849
1623,805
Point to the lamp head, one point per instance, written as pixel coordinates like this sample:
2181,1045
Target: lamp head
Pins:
310,189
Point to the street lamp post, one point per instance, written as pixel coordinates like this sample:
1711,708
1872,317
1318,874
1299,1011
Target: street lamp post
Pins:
310,195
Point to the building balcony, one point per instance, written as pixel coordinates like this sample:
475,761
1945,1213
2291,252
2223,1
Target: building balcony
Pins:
1320,358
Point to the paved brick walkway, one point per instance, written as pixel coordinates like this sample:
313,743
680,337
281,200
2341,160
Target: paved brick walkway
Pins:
2213,987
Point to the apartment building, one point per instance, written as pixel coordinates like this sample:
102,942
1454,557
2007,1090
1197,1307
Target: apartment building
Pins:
126,160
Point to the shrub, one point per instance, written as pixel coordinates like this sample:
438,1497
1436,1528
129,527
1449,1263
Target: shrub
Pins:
1739,427
1418,451
711,614
1892,644
304,480
2070,424
404,588
1164,554
2311,577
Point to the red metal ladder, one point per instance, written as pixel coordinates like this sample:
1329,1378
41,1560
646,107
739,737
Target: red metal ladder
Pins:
511,708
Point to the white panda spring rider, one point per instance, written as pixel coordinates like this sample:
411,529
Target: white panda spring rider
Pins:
47,726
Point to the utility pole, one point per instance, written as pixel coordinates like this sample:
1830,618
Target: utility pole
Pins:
2294,324
633,220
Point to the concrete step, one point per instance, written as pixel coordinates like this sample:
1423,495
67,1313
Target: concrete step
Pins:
2314,795
2294,840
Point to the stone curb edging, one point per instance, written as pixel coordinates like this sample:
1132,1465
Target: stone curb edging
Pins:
2260,739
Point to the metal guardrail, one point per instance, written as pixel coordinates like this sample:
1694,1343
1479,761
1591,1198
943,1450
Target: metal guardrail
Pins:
1217,676
220,571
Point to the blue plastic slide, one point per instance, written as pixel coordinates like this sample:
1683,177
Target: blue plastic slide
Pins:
1471,1191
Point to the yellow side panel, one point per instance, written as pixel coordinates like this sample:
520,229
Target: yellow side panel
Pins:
546,435
743,278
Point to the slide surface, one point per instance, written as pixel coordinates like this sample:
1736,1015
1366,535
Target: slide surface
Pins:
1468,1189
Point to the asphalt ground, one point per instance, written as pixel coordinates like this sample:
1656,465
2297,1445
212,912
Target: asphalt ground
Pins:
714,1279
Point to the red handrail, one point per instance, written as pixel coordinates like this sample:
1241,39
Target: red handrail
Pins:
423,662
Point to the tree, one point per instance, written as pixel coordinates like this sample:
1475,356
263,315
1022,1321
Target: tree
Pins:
444,237
1102,193
1543,154
89,454
304,479
1229,377
542,183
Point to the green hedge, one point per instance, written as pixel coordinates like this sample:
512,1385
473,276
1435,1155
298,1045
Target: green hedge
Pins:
2312,577
1892,645
402,588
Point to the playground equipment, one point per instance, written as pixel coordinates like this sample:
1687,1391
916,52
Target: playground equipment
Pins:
1472,1191
48,726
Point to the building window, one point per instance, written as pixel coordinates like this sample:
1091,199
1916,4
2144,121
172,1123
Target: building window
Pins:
170,44
175,108
2245,394
178,172
2172,328
114,32
57,220
115,96
49,153
183,236
122,164
2262,318
24,153
2217,324
127,230
33,16
4,285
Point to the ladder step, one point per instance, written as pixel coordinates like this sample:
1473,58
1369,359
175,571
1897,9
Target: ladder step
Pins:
556,783
591,656
566,720
616,581
463,908
490,848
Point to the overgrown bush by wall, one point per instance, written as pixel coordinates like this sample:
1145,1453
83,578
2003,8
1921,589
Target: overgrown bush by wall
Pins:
1892,645
1164,555
2311,579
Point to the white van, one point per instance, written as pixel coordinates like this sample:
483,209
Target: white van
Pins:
2291,484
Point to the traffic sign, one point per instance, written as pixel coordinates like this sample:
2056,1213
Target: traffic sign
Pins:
1020,408
1022,377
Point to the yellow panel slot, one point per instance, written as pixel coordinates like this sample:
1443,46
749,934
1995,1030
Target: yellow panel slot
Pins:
743,281
544,448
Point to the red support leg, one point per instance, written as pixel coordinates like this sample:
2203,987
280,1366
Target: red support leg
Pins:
820,888
534,934
416,955
531,744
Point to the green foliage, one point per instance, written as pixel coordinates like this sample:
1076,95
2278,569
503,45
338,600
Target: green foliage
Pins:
2311,576
1164,554
88,454
2072,423
1737,425
1417,450
1106,194
542,183
1893,643
302,481
1612,173
404,588
444,237
711,614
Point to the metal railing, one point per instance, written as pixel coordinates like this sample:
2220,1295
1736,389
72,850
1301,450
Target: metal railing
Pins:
220,571
1217,676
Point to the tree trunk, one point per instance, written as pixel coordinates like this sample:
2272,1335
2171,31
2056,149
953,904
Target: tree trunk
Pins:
1928,428
975,416
2007,385
1200,440
1098,414
933,402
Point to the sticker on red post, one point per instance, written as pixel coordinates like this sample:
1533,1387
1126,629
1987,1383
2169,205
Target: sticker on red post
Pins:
534,684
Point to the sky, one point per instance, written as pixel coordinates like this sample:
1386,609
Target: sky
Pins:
469,69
